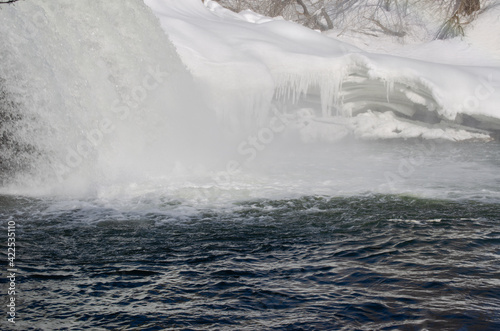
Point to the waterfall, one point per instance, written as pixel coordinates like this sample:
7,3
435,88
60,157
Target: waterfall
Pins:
91,91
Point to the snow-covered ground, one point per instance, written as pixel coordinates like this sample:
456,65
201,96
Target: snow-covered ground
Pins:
251,66
480,45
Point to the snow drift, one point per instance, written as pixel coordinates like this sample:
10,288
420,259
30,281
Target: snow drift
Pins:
267,63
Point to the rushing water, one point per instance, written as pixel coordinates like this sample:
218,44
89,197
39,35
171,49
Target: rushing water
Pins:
364,261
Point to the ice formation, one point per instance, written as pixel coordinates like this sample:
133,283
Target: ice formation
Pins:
291,67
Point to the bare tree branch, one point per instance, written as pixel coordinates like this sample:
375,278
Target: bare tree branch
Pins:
304,7
387,30
327,18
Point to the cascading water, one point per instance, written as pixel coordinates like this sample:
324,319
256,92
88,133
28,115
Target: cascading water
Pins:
92,91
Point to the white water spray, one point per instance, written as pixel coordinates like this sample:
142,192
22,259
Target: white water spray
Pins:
100,95
97,103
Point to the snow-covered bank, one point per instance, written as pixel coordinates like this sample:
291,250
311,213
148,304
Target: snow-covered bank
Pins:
249,64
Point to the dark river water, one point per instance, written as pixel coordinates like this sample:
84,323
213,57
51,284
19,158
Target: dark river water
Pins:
366,262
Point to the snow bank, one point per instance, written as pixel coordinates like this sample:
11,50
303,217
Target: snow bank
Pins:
249,64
